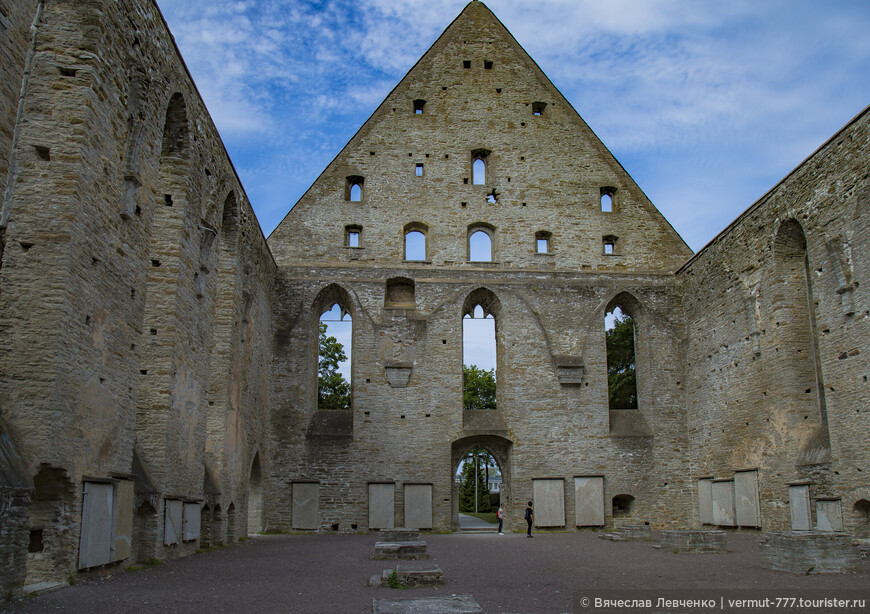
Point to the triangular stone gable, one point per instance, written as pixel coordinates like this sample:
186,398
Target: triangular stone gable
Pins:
482,93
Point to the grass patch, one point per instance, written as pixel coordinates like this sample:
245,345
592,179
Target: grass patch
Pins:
393,580
243,539
212,548
153,562
485,516
135,567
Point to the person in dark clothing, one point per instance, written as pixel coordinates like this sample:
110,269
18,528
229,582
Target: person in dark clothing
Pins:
530,518
500,517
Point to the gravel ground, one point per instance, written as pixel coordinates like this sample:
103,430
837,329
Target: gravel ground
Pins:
510,573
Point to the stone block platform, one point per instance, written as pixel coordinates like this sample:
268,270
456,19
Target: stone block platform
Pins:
810,552
694,542
410,576
629,532
391,551
399,535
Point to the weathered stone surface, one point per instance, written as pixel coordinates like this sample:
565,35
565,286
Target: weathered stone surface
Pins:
408,576
629,532
810,552
404,550
694,542
455,604
399,535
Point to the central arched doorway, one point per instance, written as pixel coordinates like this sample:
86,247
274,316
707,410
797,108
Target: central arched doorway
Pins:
483,447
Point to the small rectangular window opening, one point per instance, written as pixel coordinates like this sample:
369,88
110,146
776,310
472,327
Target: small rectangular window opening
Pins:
352,235
538,108
487,64
543,246
418,106
36,544
418,169
609,245
466,63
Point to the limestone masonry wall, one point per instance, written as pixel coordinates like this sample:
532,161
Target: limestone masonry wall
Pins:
776,310
132,264
158,356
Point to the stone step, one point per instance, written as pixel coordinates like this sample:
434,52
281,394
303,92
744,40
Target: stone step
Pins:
385,551
694,541
411,576
399,535
455,604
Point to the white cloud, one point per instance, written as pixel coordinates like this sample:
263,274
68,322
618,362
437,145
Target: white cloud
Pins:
702,101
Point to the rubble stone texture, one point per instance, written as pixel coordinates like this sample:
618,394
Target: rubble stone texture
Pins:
153,340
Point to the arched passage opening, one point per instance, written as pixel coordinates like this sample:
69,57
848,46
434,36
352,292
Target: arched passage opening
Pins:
479,479
492,455
255,497
622,506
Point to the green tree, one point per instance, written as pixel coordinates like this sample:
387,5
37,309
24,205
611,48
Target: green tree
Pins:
333,391
478,388
621,376
481,476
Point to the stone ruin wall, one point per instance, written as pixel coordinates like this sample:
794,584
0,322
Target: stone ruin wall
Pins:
548,172
752,383
404,434
132,321
127,317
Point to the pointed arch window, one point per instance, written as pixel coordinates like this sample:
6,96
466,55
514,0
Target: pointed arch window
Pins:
620,341
353,188
480,349
335,349
479,161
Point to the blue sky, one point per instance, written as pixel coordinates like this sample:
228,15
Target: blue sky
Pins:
706,104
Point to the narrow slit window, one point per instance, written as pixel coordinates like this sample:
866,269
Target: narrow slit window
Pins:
479,172
621,368
418,169
335,349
